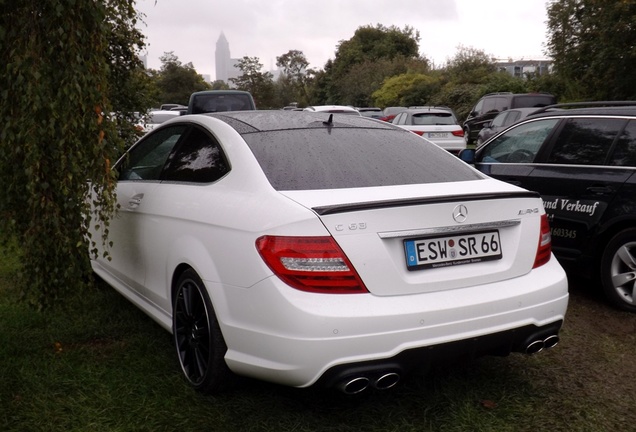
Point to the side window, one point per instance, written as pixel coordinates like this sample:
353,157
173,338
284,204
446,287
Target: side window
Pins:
198,159
479,108
625,151
519,145
500,120
512,117
585,141
146,159
489,105
501,104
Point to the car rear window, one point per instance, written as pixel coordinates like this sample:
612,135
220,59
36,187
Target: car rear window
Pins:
532,101
433,119
205,103
335,158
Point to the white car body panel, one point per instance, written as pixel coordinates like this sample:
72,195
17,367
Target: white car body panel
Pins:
448,142
277,333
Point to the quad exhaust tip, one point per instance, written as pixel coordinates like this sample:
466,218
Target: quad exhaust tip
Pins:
538,345
357,384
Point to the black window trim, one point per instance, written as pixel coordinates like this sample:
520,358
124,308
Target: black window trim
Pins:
179,144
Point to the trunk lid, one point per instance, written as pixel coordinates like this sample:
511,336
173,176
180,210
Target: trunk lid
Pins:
496,226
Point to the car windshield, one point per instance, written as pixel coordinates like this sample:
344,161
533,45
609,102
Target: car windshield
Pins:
307,159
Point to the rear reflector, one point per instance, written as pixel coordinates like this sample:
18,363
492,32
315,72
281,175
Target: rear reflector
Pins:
314,264
458,133
544,250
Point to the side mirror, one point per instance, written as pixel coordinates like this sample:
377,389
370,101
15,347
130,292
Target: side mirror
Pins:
467,155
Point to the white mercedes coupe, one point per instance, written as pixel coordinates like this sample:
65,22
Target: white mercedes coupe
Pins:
308,249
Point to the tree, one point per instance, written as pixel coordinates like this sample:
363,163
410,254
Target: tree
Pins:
259,84
65,64
372,48
219,85
593,44
297,75
176,81
469,66
406,90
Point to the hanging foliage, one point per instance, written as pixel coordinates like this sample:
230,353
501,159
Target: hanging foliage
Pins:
64,66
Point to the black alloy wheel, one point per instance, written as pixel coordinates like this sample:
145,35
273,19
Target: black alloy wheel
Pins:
618,270
197,336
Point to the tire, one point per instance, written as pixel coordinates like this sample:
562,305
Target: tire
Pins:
197,336
618,270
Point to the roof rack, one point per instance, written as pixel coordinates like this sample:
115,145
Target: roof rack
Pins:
588,104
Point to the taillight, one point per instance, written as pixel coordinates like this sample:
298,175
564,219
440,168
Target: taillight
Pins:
314,264
458,133
420,133
544,250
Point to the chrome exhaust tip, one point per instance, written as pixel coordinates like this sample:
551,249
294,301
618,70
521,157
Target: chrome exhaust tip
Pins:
354,385
535,347
551,341
386,381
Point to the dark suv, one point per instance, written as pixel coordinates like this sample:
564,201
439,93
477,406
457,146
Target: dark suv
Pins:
210,101
492,104
582,161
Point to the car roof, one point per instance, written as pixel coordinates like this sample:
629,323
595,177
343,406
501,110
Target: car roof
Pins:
525,111
331,108
274,120
435,110
620,108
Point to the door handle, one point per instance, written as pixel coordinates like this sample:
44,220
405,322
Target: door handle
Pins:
601,190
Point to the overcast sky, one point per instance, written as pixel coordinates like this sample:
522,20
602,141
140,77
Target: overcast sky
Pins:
269,28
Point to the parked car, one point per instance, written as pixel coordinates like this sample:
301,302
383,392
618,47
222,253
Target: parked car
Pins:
334,109
220,101
438,125
372,112
582,161
170,106
391,112
155,118
492,104
501,122
325,249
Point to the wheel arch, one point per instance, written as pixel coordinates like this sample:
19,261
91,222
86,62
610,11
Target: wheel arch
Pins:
606,233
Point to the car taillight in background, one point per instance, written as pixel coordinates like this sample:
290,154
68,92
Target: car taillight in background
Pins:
458,133
544,249
314,264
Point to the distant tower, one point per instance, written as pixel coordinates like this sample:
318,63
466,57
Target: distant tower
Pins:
222,57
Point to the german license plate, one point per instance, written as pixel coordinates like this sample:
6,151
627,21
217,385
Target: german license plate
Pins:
438,134
445,251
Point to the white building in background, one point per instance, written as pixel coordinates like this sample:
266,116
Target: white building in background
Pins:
226,66
522,68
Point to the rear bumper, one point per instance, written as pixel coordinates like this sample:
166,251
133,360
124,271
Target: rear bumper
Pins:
522,339
278,334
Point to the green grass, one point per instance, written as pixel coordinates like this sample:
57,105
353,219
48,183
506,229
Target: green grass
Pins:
99,364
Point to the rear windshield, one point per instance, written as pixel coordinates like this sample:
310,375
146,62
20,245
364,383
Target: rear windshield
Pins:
308,159
210,103
532,101
433,119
